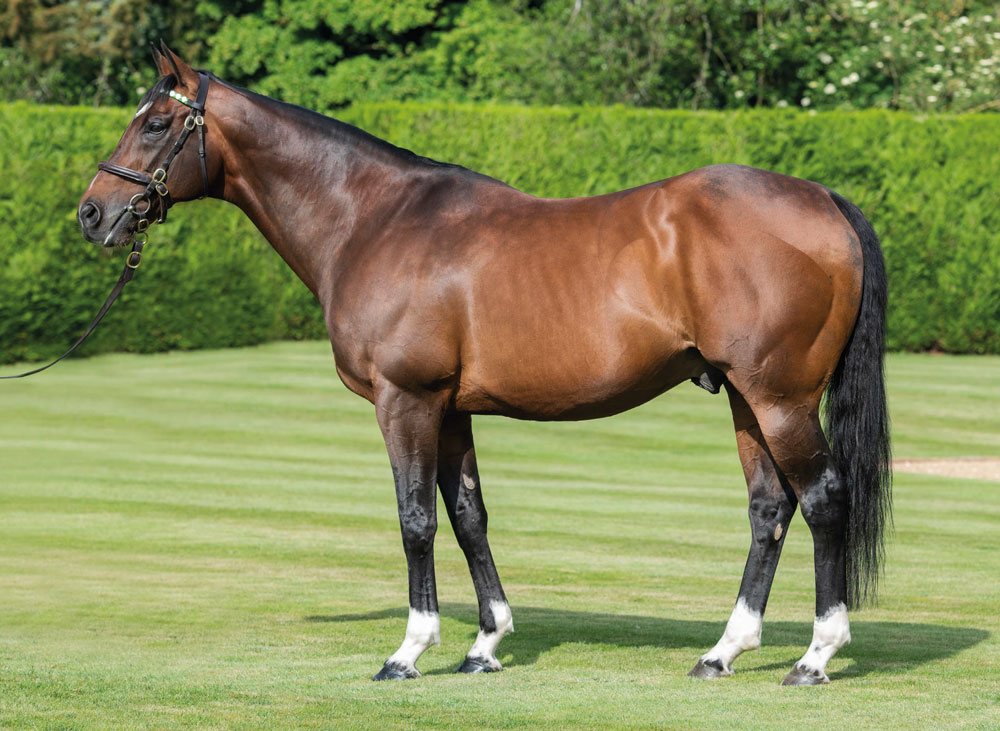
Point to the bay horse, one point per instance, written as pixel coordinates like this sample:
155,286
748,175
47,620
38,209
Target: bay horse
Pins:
447,293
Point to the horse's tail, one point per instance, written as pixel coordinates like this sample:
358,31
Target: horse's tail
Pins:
857,421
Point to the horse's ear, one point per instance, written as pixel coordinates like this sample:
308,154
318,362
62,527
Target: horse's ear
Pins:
170,63
157,57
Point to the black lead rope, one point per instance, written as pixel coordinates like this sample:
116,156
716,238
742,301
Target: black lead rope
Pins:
131,264
155,183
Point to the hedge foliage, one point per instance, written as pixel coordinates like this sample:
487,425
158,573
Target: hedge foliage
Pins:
928,184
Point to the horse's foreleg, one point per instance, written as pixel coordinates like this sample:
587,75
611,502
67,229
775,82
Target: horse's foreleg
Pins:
410,424
458,478
772,505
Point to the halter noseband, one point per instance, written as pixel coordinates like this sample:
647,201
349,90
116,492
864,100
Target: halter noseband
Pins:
157,182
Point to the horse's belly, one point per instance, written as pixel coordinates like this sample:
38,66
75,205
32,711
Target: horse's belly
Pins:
563,381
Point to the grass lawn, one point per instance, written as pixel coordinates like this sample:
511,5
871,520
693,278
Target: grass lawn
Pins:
210,539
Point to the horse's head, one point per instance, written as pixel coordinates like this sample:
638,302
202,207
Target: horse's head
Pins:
157,160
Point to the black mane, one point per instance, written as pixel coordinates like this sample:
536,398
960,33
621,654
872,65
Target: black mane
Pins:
336,128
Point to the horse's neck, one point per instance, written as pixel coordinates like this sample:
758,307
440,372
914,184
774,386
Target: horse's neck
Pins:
308,184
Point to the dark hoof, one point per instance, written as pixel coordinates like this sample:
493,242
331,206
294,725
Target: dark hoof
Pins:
805,676
475,665
708,670
392,671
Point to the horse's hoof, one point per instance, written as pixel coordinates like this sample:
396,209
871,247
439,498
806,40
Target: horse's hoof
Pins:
805,676
476,665
709,670
394,671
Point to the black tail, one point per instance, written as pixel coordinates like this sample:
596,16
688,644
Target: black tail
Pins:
857,421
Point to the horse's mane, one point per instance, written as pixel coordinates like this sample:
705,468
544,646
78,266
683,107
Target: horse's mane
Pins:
337,129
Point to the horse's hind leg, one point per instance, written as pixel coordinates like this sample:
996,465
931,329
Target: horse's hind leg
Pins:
458,479
772,505
800,449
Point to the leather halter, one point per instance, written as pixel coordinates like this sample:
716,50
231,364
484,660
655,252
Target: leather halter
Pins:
155,183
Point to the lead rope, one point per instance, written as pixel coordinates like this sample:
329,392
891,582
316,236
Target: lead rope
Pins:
157,182
131,264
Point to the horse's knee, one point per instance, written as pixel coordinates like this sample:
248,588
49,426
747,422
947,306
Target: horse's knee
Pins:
418,528
824,501
470,519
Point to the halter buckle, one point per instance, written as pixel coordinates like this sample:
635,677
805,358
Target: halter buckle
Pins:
133,260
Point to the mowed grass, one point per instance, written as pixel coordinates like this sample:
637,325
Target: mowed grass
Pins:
211,539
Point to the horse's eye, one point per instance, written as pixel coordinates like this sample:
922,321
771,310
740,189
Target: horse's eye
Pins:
155,127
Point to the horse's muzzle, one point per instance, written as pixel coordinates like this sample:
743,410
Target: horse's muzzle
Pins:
98,228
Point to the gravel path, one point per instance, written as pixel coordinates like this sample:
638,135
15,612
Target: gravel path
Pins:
977,468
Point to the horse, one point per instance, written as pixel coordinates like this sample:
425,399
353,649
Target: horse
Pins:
447,294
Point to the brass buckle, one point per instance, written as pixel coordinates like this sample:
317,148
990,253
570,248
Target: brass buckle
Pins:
193,120
133,263
159,179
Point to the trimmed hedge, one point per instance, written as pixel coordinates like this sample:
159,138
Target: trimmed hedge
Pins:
929,185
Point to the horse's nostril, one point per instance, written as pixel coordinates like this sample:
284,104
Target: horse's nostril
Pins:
89,214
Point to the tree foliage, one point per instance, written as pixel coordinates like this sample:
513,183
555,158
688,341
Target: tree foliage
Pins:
929,55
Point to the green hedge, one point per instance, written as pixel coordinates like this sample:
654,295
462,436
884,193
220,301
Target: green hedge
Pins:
929,185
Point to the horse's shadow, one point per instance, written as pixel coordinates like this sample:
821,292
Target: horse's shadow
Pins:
877,647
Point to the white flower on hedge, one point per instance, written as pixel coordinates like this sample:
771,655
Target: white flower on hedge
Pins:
829,89
738,94
932,98
825,58
782,104
806,101
939,48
